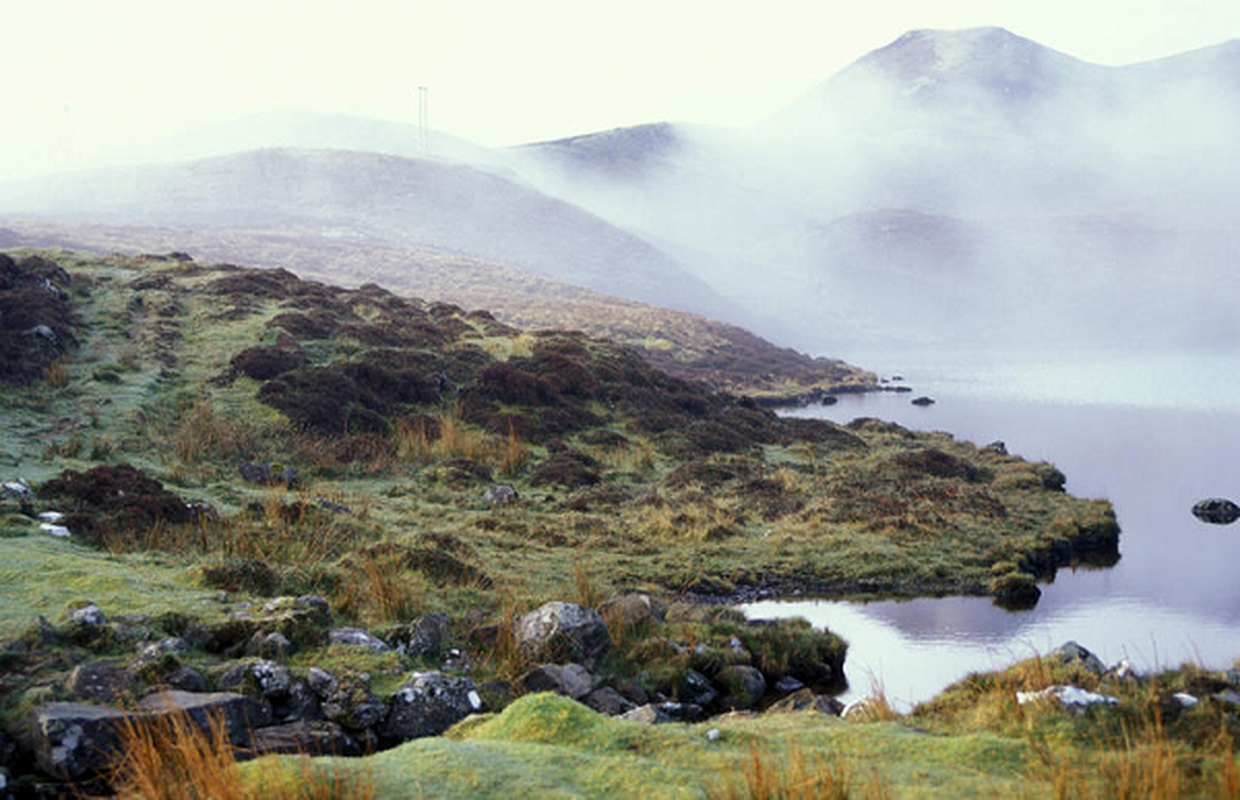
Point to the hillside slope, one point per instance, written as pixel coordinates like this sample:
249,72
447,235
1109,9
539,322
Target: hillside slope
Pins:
686,345
374,199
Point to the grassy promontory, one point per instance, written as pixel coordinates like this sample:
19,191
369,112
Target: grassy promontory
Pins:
406,412
218,436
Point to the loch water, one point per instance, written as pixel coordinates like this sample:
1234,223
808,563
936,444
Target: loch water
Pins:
1153,435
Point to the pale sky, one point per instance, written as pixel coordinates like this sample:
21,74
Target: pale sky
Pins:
86,76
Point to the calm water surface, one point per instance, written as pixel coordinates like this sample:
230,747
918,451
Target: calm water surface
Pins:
1153,437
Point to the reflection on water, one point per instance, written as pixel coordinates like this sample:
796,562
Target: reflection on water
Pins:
1172,597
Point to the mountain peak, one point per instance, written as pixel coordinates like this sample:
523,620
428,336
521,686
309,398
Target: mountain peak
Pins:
970,53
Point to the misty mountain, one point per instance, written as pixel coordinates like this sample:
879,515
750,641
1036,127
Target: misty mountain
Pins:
952,186
369,198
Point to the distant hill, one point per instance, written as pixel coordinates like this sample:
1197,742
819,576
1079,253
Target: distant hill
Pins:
686,345
373,198
951,186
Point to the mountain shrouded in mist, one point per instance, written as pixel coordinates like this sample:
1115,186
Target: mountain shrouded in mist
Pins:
956,187
951,188
373,198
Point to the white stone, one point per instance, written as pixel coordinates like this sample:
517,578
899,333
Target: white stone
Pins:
55,530
51,516
713,734
1073,697
475,700
18,487
1185,699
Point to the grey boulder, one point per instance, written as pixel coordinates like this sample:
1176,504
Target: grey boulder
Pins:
560,631
1217,511
427,705
743,686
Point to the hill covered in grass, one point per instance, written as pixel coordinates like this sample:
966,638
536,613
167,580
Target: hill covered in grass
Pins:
235,460
686,345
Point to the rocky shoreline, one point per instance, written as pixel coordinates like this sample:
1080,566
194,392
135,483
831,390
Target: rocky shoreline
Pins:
239,674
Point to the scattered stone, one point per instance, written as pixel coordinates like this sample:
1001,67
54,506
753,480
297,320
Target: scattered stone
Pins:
650,714
187,679
59,531
1217,511
804,699
496,694
18,488
923,401
172,645
352,705
427,705
1122,671
633,691
356,637
254,473
1185,699
51,516
73,741
570,680
310,738
301,705
997,447
268,475
1072,653
681,712
696,688
788,685
558,629
89,615
743,685
1229,697
422,638
264,678
269,645
321,682
43,331
829,400
713,734
608,701
501,495
102,681
240,714
632,609
1071,697
335,508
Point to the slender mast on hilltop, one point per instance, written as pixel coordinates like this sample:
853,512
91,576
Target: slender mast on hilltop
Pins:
423,119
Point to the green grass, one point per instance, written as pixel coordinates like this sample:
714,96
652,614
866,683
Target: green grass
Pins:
548,746
43,575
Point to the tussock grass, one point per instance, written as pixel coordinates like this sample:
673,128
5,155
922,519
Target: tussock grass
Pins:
379,590
796,774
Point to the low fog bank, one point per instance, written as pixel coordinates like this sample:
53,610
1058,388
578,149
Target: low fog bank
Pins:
963,189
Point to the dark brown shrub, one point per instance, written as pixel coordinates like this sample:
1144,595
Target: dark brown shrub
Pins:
265,363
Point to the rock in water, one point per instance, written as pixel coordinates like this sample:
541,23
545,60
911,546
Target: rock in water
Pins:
923,401
1217,511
